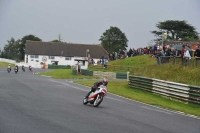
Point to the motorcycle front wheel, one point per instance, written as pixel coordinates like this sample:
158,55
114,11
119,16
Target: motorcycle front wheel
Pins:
98,100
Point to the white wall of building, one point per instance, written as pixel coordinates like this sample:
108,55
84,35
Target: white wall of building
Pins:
35,60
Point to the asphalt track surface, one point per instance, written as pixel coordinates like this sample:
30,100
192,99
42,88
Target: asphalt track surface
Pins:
36,104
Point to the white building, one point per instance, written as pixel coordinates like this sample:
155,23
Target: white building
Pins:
38,52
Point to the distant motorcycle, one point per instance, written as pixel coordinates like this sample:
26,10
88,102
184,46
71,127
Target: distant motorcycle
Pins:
8,69
30,68
96,97
23,68
16,70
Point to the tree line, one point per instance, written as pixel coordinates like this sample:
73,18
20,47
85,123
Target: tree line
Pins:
113,39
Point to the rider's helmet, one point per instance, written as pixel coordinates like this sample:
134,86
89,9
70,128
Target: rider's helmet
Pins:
105,81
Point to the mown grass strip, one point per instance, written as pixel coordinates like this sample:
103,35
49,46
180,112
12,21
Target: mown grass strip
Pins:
65,74
5,64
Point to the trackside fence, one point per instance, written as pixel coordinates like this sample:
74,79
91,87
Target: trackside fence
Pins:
111,75
59,66
181,92
193,62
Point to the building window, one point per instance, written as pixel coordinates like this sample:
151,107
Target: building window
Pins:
51,57
67,58
34,56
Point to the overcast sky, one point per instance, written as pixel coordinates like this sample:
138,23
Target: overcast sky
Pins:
84,21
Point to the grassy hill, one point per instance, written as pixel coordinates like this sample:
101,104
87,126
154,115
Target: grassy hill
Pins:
146,66
136,61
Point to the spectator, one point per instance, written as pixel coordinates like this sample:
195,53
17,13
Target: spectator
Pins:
113,56
167,53
105,63
102,58
182,51
197,52
116,55
175,52
186,56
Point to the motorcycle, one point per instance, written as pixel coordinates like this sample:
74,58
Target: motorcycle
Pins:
8,69
16,70
30,68
96,97
23,69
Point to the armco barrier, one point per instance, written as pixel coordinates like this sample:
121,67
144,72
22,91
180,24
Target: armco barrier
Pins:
87,72
74,72
182,92
111,75
121,75
8,60
59,67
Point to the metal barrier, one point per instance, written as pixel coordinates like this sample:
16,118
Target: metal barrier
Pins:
8,60
87,72
121,75
111,75
182,92
74,71
59,66
113,67
194,62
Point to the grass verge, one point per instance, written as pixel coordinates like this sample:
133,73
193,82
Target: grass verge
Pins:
5,64
122,89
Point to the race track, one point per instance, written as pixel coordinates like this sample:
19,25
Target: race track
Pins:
36,104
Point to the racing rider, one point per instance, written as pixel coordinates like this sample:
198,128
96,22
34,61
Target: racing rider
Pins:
93,89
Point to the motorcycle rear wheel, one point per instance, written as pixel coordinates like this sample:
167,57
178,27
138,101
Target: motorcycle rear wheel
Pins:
85,101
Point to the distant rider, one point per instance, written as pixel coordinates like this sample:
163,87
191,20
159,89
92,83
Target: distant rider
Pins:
30,68
16,68
9,67
96,85
23,67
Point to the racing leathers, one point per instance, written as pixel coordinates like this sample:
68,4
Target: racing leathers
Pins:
93,89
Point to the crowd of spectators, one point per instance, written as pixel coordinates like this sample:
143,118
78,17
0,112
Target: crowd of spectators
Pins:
153,50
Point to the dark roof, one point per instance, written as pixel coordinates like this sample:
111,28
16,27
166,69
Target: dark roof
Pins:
69,49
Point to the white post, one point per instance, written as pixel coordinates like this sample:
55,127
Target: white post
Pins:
128,76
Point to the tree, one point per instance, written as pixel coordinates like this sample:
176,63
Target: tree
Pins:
11,49
114,40
55,41
22,43
11,46
176,30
